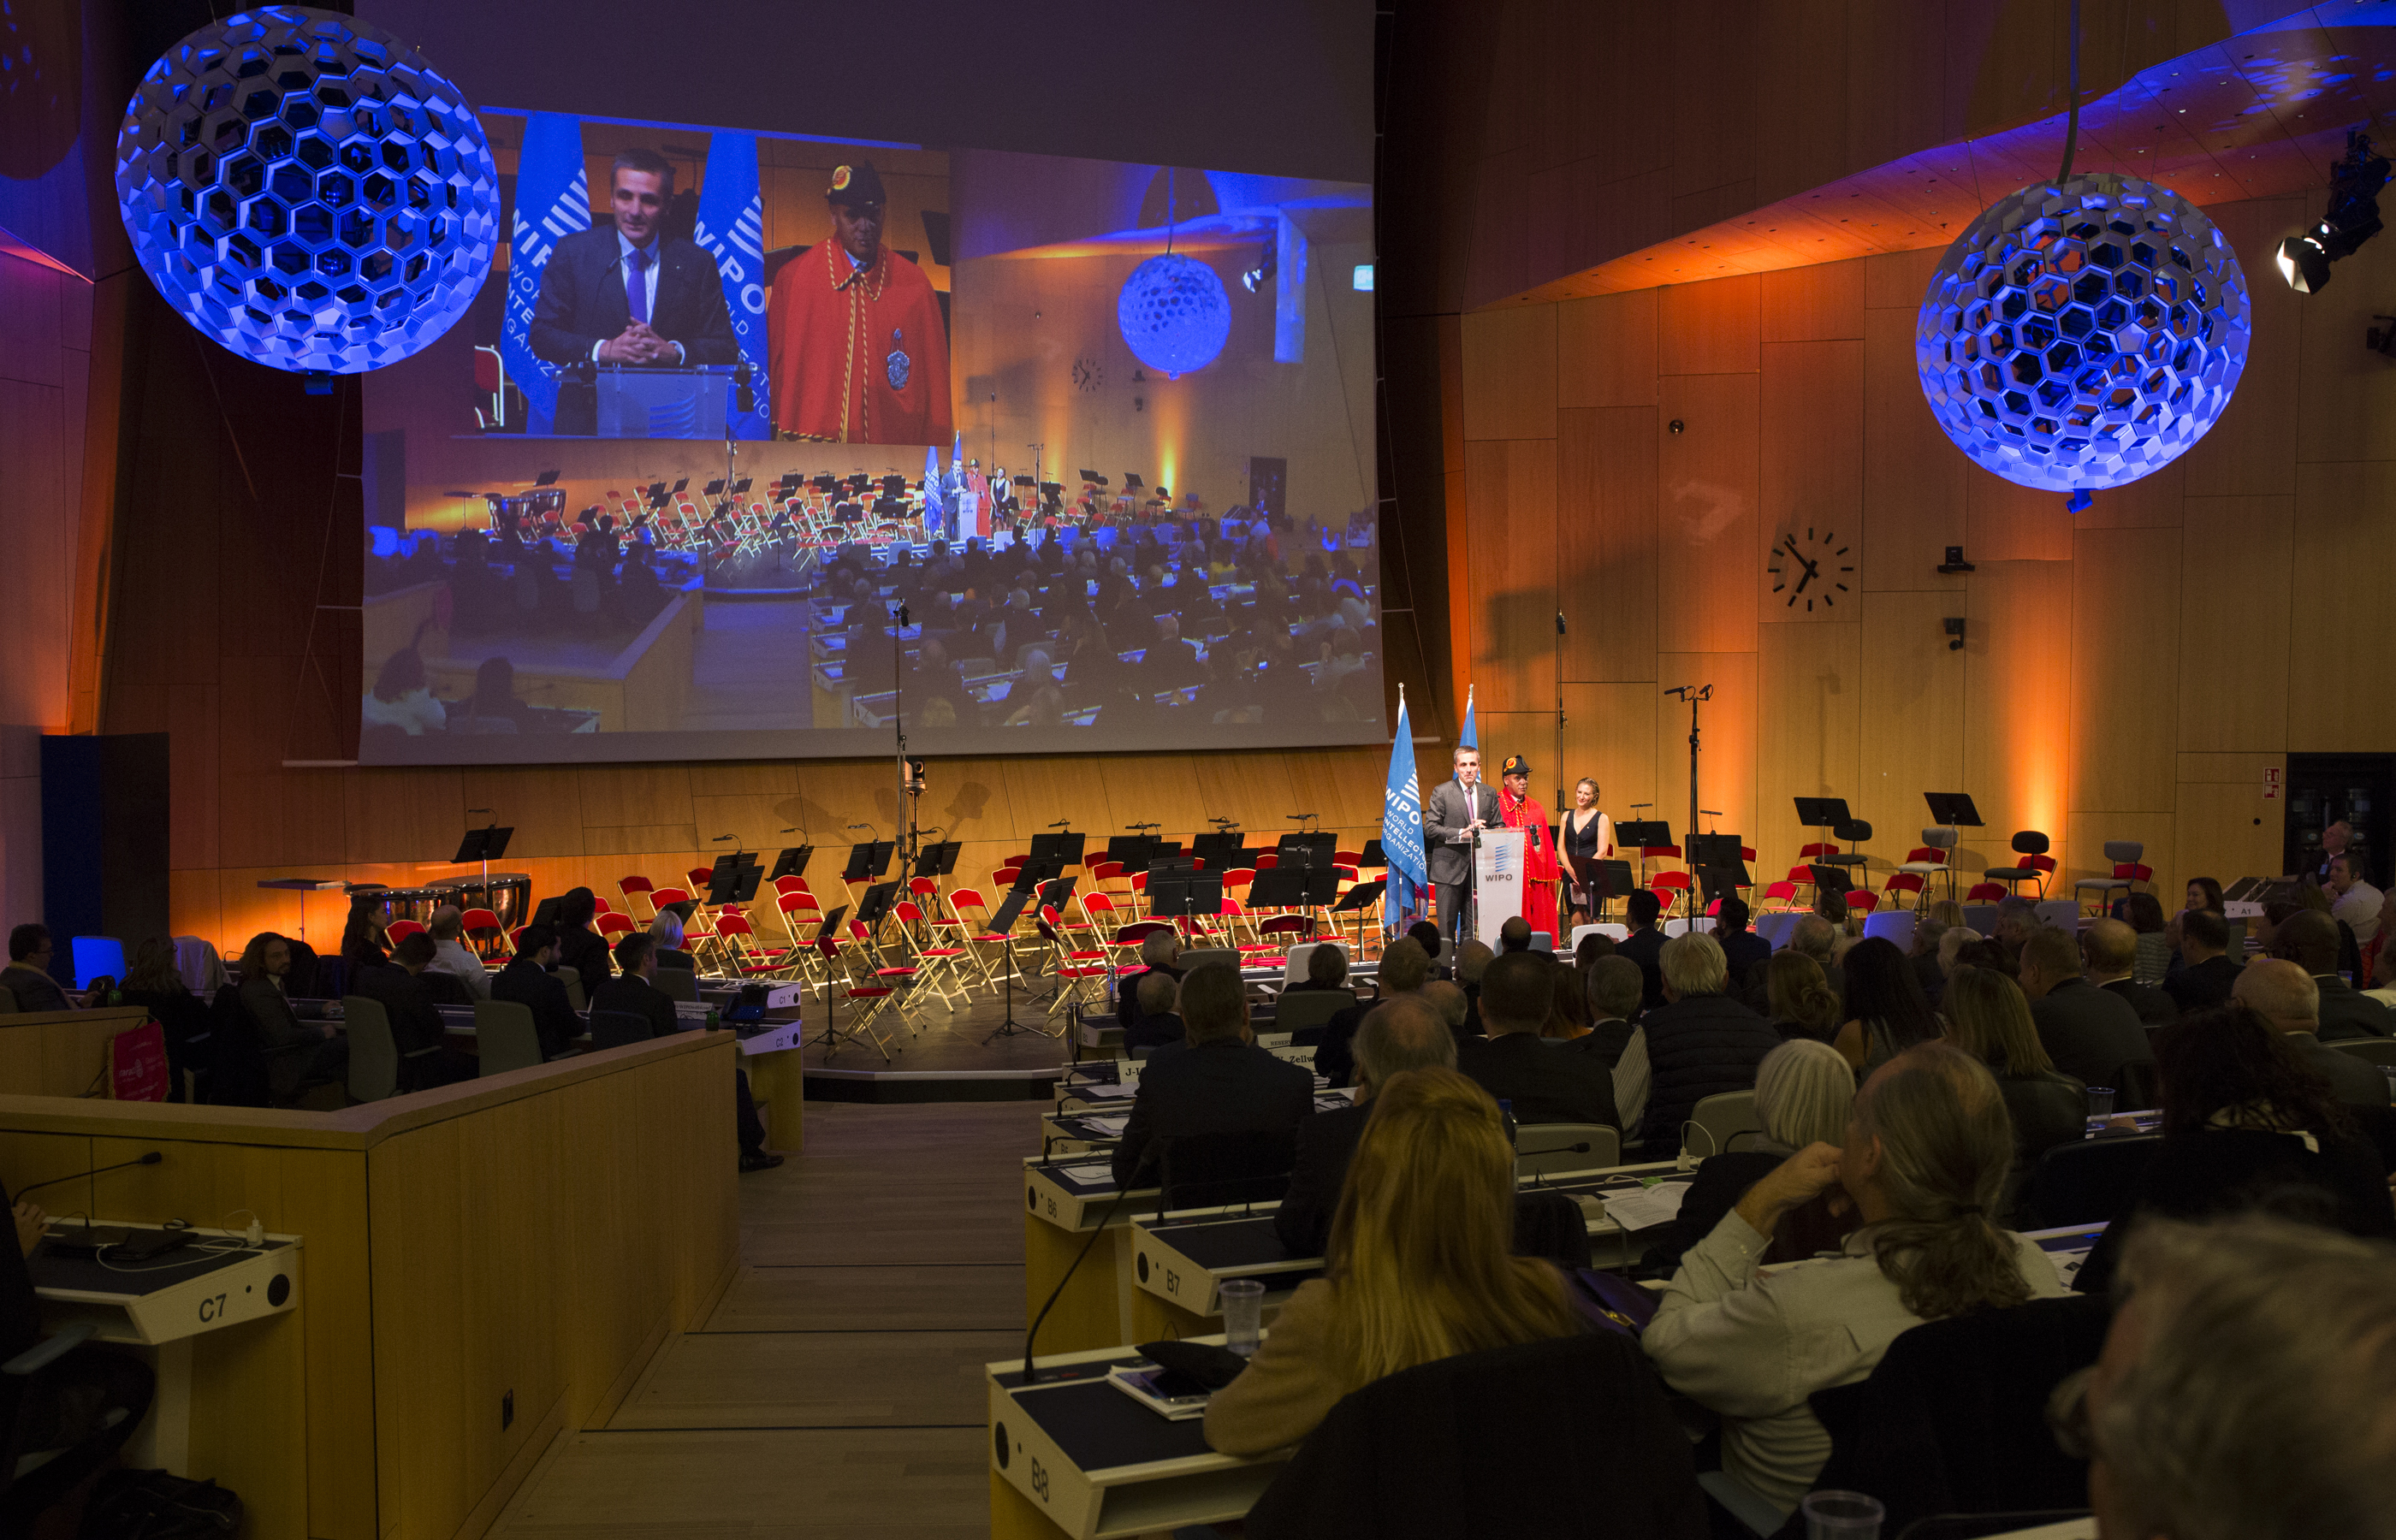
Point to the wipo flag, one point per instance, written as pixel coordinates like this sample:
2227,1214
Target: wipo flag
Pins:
552,202
731,228
1402,836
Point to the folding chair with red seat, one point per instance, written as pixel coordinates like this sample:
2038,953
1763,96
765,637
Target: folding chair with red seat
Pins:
1905,881
974,934
749,960
1985,893
931,964
482,928
1081,975
792,883
1862,901
865,1002
1784,892
1672,886
866,953
401,929
1276,936
638,892
612,924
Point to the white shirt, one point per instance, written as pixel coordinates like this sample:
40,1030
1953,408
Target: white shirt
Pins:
451,957
1631,1077
656,250
2360,908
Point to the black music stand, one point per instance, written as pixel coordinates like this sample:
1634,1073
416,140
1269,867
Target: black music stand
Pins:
1178,892
1824,814
1612,879
1134,851
1828,878
1372,855
734,884
869,860
1002,925
875,906
1719,864
483,844
1065,849
1953,808
937,860
1328,844
1362,897
791,862
1651,831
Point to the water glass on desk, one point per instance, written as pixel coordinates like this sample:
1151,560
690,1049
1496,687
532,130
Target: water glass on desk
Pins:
1843,1516
1244,1315
2101,1101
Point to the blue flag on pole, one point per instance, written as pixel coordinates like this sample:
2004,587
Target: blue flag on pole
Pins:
1468,739
1402,835
731,228
552,202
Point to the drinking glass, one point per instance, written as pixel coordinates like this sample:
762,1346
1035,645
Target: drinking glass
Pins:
1243,1314
2101,1101
1843,1516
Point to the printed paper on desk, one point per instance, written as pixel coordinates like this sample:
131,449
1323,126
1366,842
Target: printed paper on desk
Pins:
1086,1174
1107,1125
1647,1207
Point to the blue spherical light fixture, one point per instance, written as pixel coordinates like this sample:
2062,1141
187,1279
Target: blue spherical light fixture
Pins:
307,190
2082,334
1174,313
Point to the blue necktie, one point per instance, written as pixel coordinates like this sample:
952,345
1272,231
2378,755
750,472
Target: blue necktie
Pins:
637,285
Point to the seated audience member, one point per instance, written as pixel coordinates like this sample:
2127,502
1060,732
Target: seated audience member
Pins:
26,976
1515,935
2354,901
1223,1084
1515,1065
2017,921
366,937
2242,1387
1803,1004
2093,1037
1447,999
1157,951
634,991
2309,939
1406,968
1743,949
1402,1034
2110,947
666,931
1988,1017
1699,1043
298,1052
425,1057
1472,962
1929,929
1884,1011
1803,1092
1426,935
1589,948
579,947
1418,1270
452,956
152,983
1158,1026
2209,974
527,981
1327,968
1924,1162
2143,913
1613,988
1811,936
2247,1124
1568,1017
1644,945
2284,995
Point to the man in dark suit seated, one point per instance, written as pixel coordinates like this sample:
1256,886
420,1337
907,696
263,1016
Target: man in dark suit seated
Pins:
1644,945
425,1057
1406,968
2309,940
28,973
1699,1043
1743,949
2111,948
527,981
2282,994
2088,1033
628,294
1157,1026
1157,950
1397,1035
634,991
1223,1084
2210,974
1513,1063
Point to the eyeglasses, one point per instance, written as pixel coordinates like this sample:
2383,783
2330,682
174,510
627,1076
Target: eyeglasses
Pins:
2067,1415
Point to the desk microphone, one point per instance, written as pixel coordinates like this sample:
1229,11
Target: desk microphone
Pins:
1540,1178
1148,1157
150,1158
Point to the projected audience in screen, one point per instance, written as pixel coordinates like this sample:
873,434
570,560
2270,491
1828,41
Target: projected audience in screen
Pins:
627,293
857,347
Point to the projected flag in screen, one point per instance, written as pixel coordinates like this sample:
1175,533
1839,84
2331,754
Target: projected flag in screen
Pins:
731,229
552,201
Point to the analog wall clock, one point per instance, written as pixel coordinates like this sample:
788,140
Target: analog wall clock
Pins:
1812,569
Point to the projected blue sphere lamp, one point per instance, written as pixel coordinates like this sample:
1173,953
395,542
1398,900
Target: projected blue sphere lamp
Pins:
1174,313
307,190
2083,334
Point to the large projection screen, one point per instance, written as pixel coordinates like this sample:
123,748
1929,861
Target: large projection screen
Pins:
772,362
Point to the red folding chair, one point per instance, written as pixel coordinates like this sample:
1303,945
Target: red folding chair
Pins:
612,924
865,1002
1862,902
1904,881
482,928
1785,893
1081,975
931,964
638,892
749,960
899,976
1669,886
1985,893
401,929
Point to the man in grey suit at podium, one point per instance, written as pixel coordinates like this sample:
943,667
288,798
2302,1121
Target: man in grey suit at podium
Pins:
1450,814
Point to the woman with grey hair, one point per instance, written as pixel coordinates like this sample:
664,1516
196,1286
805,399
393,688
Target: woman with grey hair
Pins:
1922,1166
667,932
1802,1091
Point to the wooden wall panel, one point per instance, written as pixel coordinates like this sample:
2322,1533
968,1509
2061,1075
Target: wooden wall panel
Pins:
1707,328
410,816
542,803
1510,373
1812,304
1726,761
2252,451
2342,510
2016,706
1809,729
2007,523
1709,542
1811,473
2236,612
1259,793
1605,351
1913,476
1910,716
2224,830
2346,394
1513,571
1610,733
1607,558
2125,626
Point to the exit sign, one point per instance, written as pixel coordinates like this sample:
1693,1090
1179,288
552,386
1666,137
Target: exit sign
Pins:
2272,784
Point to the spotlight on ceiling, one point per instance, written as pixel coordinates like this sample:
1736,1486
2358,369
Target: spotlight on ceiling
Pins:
1268,264
2352,219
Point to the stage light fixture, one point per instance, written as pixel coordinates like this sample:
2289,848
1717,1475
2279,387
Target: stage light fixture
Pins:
1174,315
2081,334
2352,218
1268,264
307,190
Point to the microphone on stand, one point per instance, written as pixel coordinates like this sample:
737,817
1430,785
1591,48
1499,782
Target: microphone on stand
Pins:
1540,1178
150,1160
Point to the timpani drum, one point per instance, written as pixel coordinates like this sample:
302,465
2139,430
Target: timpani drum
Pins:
508,895
415,903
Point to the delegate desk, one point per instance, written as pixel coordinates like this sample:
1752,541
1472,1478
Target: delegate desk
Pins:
1077,1456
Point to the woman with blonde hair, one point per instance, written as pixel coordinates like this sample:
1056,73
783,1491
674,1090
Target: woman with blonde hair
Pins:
1803,1004
1922,1162
1418,1268
1988,1017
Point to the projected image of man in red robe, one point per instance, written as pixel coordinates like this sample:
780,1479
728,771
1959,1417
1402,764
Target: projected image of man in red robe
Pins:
855,344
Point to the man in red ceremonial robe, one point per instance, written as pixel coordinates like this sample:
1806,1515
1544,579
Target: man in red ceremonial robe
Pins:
855,345
1514,803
